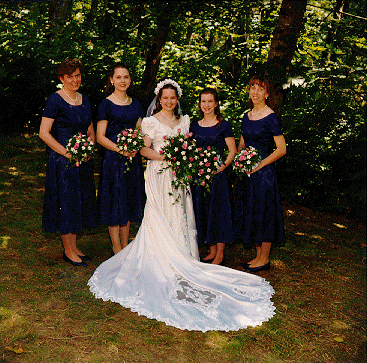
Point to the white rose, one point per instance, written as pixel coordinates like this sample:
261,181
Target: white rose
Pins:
176,148
178,163
184,158
207,177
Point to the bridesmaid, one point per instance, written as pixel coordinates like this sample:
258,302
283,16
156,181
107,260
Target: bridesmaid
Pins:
121,196
258,214
70,194
213,213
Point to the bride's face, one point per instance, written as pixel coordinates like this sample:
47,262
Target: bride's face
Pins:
168,99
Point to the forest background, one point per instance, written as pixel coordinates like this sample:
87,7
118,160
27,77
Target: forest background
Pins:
315,52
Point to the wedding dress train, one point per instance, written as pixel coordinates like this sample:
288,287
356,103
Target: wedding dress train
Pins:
159,274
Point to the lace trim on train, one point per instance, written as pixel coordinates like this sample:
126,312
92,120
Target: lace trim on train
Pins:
187,294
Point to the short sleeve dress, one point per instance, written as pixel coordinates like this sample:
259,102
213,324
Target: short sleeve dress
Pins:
70,194
213,211
121,196
258,212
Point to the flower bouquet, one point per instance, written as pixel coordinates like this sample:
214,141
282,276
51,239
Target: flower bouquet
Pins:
180,155
130,140
246,160
81,148
207,164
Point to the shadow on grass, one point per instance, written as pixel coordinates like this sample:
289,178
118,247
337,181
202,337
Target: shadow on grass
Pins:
47,313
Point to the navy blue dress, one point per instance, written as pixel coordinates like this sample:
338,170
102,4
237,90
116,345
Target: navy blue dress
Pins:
70,193
121,196
258,212
213,212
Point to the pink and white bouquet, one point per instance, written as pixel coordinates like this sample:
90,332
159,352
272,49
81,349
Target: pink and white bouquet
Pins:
206,165
130,140
246,160
181,155
81,148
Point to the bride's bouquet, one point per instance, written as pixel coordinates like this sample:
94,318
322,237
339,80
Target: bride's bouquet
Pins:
181,155
246,160
81,148
207,164
130,140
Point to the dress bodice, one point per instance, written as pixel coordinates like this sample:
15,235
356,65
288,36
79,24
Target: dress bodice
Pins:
212,136
69,119
119,117
157,130
260,133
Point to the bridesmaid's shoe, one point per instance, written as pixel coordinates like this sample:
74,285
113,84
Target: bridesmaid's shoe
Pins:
67,259
207,261
259,268
85,258
244,265
112,253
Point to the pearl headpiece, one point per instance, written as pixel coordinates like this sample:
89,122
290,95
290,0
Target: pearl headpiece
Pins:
168,81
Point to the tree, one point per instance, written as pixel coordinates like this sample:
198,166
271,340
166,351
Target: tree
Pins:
285,36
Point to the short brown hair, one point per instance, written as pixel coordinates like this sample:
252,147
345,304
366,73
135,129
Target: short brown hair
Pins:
69,66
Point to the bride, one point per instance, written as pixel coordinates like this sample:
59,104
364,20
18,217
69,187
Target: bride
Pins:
159,274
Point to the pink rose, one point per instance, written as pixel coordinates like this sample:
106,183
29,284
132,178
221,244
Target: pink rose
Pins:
125,133
184,145
215,158
76,146
209,148
165,137
174,159
173,173
241,158
207,164
172,140
201,154
161,152
191,159
236,163
85,144
189,177
201,171
178,130
203,183
133,136
200,148
190,134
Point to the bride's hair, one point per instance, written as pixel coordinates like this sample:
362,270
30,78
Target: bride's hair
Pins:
158,106
214,92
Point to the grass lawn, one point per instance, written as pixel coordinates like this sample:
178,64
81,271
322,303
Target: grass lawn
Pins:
47,313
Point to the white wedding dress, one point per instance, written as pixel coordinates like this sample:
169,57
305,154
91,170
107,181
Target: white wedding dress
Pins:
159,275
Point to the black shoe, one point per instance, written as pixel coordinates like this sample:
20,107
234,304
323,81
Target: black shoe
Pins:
67,259
112,253
85,258
244,265
259,268
207,261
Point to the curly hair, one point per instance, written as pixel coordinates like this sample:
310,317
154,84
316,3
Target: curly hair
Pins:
69,66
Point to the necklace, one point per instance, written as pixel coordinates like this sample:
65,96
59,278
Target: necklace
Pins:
255,113
76,96
168,119
119,99
210,123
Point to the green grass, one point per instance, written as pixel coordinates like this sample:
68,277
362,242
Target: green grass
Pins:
47,310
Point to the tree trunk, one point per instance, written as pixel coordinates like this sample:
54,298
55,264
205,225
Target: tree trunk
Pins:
283,46
285,35
154,54
59,13
91,16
